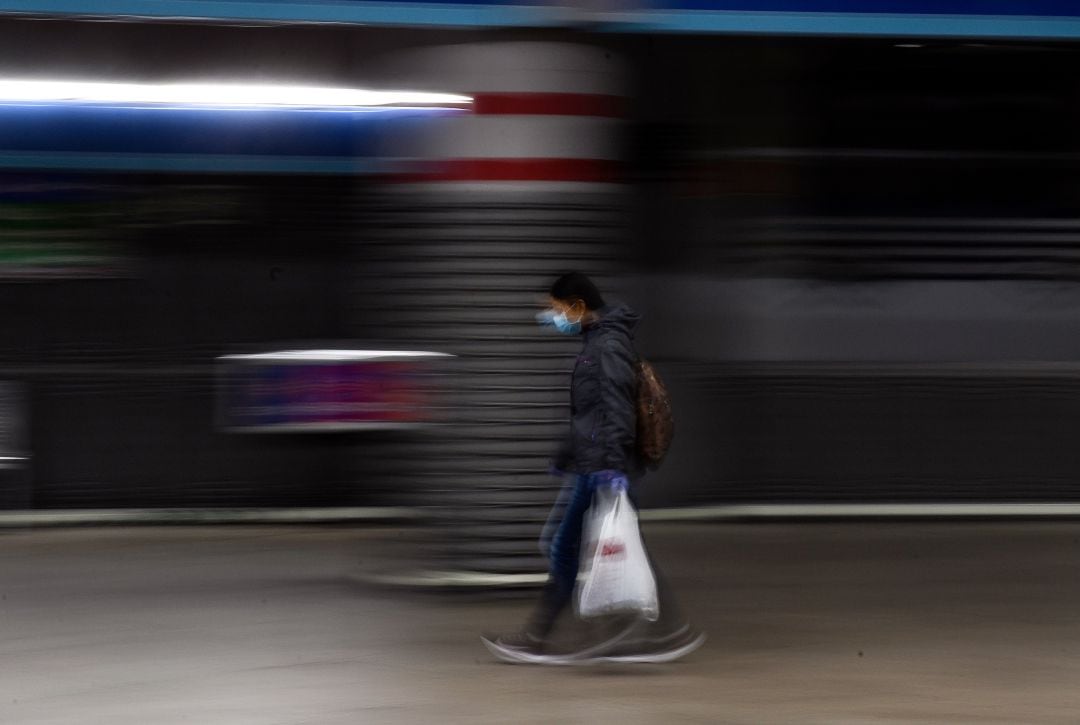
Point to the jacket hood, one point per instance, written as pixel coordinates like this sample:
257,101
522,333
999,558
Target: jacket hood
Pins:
618,318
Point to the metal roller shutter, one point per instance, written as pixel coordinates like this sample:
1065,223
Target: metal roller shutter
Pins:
464,272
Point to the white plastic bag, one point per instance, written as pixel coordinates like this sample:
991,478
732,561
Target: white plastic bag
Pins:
615,573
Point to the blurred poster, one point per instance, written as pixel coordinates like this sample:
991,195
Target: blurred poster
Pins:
288,392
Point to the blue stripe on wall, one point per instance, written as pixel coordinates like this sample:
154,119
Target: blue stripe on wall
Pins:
1033,8
131,138
86,128
189,163
508,10
964,18
480,14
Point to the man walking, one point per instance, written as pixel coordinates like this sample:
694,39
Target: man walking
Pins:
598,451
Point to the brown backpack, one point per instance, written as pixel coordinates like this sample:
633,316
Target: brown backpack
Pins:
655,424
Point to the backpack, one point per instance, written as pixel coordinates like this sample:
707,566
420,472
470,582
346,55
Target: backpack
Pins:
655,424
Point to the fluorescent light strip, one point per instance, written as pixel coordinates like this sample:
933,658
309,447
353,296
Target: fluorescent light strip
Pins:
223,95
334,355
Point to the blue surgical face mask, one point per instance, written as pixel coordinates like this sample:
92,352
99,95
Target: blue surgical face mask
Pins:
565,326
558,320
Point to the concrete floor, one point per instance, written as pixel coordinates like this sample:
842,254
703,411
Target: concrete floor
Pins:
816,623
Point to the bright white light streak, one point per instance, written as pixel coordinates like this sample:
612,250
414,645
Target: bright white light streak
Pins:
223,95
334,355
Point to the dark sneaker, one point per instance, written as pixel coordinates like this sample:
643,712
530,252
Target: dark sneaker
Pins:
614,635
525,648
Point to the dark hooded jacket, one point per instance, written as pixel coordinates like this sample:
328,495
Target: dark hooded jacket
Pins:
603,398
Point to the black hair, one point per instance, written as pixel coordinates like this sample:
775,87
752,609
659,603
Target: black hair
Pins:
576,286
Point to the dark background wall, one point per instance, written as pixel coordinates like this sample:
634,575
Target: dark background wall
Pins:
861,267
858,261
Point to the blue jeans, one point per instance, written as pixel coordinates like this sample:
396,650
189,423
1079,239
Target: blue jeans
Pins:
561,543
561,540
